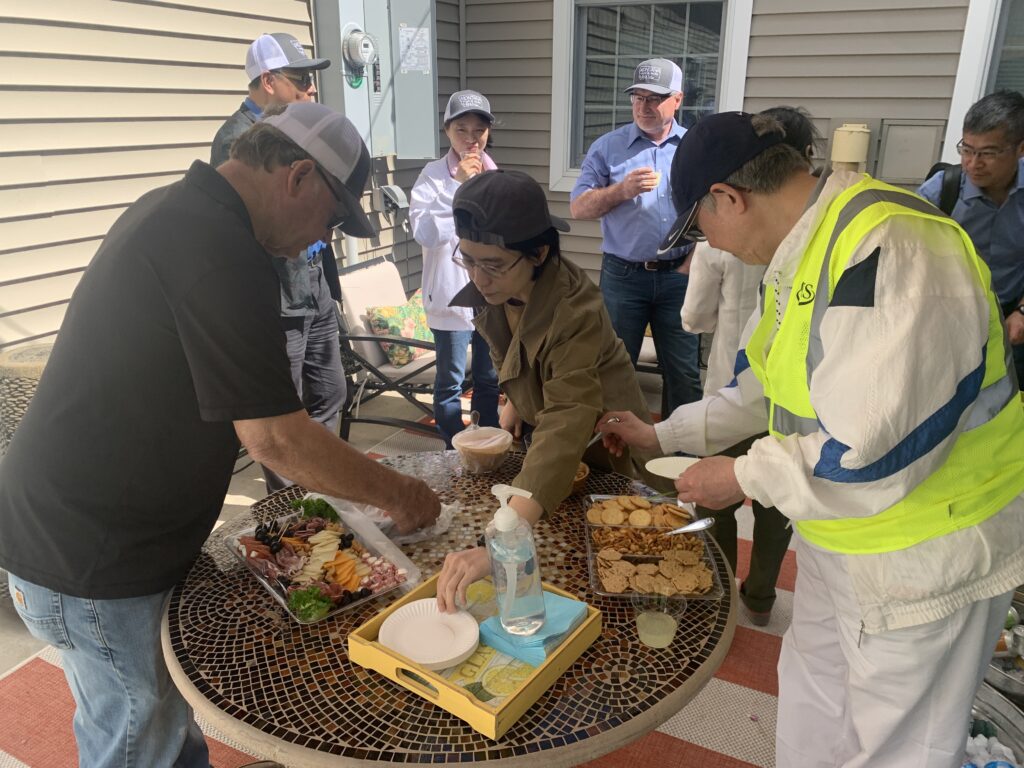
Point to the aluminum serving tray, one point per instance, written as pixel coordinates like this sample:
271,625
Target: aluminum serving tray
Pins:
279,592
715,593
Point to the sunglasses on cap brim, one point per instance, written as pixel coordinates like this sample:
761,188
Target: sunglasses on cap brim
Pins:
684,230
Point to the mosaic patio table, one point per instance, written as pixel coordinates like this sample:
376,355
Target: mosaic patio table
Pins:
288,691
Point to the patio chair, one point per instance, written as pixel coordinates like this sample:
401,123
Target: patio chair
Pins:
369,372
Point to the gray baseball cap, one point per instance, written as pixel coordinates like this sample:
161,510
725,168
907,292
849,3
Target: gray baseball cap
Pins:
506,208
333,142
462,102
278,51
657,76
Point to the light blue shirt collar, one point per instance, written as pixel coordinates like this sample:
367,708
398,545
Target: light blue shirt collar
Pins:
635,133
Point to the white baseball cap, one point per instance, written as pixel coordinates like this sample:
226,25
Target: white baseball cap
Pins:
278,51
333,142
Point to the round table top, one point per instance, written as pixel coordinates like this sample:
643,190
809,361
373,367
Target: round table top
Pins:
290,692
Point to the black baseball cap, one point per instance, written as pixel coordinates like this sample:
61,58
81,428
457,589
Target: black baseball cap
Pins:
710,152
506,208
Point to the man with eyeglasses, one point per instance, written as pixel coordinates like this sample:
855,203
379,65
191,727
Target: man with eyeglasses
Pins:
280,72
875,361
624,181
119,469
990,205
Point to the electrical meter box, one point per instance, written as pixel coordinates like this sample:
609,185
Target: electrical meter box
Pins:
383,73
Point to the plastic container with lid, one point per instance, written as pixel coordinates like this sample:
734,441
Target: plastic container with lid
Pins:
482,449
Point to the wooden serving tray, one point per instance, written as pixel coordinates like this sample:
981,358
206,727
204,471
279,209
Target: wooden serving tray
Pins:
363,649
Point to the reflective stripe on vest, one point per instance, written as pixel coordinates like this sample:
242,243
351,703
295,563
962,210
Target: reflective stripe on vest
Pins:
984,469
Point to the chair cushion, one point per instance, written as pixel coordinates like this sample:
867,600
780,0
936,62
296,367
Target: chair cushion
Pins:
376,285
407,320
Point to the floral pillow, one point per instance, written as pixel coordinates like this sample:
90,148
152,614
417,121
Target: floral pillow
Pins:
408,321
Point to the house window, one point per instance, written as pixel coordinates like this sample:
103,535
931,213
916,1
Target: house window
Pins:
1008,57
611,39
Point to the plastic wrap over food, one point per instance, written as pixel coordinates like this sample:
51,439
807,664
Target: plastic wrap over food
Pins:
385,526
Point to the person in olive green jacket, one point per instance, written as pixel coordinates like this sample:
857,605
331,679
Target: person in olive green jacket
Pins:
558,359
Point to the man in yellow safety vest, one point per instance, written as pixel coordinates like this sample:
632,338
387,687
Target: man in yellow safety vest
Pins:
878,360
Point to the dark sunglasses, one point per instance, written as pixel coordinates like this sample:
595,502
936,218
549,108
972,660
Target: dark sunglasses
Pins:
301,80
338,219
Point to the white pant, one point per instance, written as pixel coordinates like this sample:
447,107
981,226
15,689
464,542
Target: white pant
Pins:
899,699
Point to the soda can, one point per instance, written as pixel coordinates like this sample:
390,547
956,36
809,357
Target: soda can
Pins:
1018,639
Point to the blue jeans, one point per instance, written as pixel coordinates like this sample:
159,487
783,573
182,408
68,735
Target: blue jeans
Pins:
636,297
128,713
451,373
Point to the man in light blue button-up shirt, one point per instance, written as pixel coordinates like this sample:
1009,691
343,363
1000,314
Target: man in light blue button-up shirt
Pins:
991,201
624,182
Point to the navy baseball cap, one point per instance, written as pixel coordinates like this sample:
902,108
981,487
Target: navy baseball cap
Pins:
710,152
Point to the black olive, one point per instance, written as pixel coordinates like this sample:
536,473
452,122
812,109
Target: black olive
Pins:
365,592
346,598
275,547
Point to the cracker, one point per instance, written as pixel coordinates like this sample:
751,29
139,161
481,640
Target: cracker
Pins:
613,516
663,586
688,557
640,518
614,583
639,502
647,568
594,515
669,568
609,554
626,503
685,583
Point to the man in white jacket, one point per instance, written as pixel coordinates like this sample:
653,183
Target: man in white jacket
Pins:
878,362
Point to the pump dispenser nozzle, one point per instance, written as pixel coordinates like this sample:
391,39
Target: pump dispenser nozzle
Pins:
505,518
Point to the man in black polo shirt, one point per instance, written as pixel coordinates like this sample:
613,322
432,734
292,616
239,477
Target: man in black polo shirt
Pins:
171,353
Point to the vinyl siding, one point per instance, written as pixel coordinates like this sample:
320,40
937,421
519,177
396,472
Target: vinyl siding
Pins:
104,101
850,59
508,59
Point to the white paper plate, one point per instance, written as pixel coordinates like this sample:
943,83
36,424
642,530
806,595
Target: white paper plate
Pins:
435,640
670,466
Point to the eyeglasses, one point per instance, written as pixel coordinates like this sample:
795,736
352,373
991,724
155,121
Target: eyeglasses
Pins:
302,80
693,234
339,218
653,101
491,271
979,154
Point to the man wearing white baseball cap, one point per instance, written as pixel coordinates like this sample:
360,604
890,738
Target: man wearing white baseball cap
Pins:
624,181
280,73
96,525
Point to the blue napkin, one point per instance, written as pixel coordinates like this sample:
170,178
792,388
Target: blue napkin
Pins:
562,616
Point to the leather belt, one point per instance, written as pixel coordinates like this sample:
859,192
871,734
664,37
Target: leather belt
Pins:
657,265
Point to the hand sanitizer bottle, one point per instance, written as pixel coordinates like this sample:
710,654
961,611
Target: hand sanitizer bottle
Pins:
513,556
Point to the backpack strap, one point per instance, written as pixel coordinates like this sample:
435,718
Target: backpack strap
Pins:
950,189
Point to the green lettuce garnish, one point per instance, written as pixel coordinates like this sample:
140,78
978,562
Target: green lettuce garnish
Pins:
316,508
309,604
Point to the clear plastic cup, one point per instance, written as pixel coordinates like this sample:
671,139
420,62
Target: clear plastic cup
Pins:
657,618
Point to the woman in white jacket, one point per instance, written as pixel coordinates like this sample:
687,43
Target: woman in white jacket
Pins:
467,123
